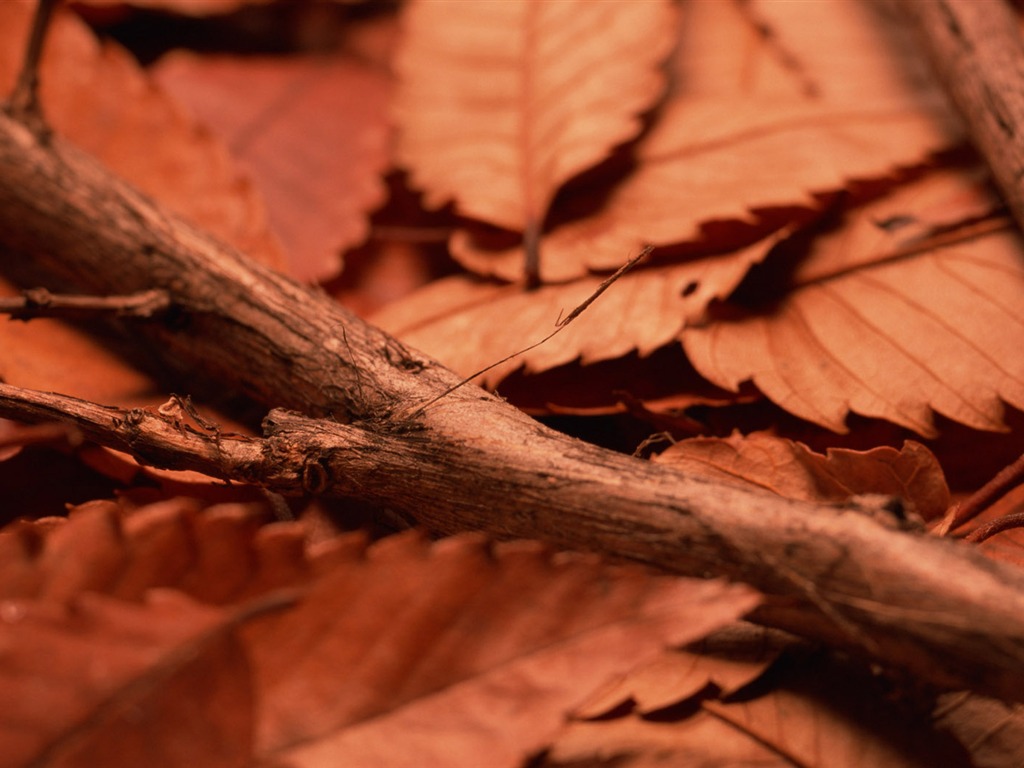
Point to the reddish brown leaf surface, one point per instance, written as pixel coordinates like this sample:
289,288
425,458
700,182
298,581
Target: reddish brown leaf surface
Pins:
102,682
222,555
404,653
443,644
314,133
51,356
757,122
792,470
469,324
883,325
725,663
789,715
501,103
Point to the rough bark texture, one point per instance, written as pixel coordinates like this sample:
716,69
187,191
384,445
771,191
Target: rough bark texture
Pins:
975,47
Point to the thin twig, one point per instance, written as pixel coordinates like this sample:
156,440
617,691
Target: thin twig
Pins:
39,302
560,324
23,103
1006,480
987,531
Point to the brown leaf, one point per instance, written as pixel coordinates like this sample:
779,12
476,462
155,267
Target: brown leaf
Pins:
406,652
313,131
883,325
632,742
101,682
793,470
743,134
439,644
808,723
98,97
468,324
220,555
725,662
808,709
501,103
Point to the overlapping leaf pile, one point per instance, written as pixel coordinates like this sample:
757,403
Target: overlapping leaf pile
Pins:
822,240
175,637
812,238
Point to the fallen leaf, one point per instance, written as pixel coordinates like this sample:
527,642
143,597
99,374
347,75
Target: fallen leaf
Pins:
791,469
733,146
102,682
803,720
502,103
883,326
439,644
96,96
314,132
632,742
788,716
468,323
224,554
724,662
383,639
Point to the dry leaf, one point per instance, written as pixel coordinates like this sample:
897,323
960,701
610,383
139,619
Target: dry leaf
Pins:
97,96
806,721
793,470
313,131
102,682
884,326
632,742
221,555
439,645
734,143
724,662
469,324
792,715
501,103
404,653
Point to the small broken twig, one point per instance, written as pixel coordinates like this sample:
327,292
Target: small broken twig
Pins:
39,302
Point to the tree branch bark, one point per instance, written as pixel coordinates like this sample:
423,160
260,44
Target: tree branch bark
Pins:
858,577
976,49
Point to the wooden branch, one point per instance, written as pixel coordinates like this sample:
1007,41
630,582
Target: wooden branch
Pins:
976,49
858,577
